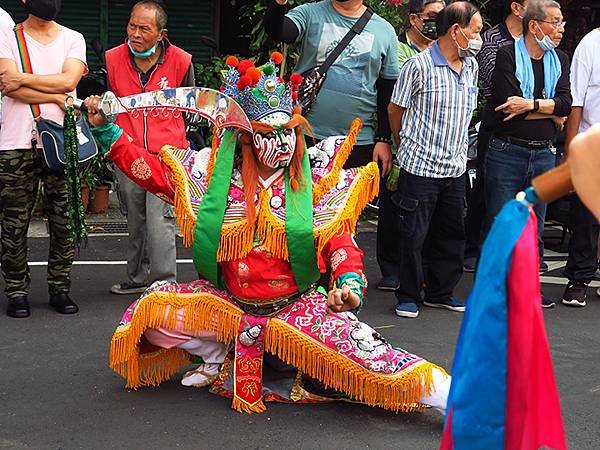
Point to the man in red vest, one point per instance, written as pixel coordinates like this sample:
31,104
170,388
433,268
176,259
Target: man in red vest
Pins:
147,61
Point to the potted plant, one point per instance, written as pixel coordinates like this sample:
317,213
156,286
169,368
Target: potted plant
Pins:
96,180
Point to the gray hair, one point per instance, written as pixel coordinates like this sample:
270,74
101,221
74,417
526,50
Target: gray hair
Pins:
536,10
159,9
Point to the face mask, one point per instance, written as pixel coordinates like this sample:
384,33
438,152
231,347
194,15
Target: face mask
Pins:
276,149
472,49
43,9
145,53
429,30
546,43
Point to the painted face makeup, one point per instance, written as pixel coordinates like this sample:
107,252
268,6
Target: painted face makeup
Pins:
275,149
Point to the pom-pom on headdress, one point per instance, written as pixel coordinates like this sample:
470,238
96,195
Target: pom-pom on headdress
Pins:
260,91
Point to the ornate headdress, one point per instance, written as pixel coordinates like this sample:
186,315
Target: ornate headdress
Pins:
260,91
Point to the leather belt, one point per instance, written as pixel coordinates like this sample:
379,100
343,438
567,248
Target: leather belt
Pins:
269,307
537,145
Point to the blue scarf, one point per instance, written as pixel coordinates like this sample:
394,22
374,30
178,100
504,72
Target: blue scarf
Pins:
524,70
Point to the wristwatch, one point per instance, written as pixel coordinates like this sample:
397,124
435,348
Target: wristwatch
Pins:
536,105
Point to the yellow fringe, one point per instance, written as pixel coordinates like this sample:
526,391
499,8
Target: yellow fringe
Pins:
237,239
327,183
201,311
398,392
243,407
184,213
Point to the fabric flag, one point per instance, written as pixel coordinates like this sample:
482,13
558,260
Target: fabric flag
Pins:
503,393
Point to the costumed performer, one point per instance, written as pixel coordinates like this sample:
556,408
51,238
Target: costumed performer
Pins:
266,217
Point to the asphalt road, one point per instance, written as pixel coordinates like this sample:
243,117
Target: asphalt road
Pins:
57,391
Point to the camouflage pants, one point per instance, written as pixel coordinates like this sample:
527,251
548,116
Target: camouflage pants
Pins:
20,173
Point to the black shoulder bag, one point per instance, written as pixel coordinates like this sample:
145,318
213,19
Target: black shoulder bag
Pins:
315,77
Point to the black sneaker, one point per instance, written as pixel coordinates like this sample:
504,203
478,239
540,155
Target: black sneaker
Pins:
547,303
543,267
575,294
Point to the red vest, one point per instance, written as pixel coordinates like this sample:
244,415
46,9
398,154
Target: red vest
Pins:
147,131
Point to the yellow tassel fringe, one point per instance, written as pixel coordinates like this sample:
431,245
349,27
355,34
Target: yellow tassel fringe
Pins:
237,239
201,311
397,392
243,407
327,183
393,392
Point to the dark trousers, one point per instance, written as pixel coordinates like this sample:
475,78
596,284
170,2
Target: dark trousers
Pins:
476,200
509,168
20,173
583,246
388,256
432,208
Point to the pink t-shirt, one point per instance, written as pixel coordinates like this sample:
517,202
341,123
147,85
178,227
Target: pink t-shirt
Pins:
17,120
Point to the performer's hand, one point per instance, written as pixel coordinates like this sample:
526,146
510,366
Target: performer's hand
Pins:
382,153
281,2
10,81
94,117
340,300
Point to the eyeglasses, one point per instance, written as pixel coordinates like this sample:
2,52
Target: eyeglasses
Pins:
424,16
555,25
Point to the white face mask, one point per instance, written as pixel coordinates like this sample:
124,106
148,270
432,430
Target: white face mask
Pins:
546,43
472,49
276,149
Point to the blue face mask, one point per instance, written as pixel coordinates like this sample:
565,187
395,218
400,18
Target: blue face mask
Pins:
145,53
546,43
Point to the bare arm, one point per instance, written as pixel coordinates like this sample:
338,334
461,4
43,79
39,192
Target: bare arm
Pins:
395,114
32,96
572,126
59,83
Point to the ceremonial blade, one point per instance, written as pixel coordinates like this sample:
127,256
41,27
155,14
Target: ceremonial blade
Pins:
213,105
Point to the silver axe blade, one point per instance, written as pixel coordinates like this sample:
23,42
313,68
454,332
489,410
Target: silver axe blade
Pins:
213,105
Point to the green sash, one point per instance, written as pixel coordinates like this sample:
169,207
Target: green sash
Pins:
211,212
299,220
299,229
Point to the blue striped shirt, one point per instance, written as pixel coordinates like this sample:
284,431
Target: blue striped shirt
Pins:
439,104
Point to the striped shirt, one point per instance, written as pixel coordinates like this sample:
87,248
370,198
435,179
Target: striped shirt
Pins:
438,106
493,39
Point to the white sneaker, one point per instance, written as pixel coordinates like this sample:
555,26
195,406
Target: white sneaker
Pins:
201,376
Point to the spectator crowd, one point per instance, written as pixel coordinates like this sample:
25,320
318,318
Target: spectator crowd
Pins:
416,92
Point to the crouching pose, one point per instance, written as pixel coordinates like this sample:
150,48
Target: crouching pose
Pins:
266,216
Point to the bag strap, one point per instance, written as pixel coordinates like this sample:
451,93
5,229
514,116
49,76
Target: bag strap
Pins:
357,28
26,62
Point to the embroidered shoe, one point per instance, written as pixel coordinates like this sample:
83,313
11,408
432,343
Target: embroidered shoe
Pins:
409,310
201,376
575,294
452,304
126,288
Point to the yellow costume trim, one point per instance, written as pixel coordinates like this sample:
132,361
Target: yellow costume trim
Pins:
203,311
327,183
396,392
237,239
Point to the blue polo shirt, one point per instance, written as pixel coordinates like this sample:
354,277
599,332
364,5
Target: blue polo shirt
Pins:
439,104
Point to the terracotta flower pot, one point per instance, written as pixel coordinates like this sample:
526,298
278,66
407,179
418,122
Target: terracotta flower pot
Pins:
85,196
99,199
